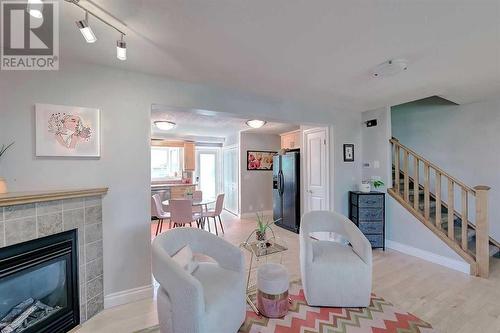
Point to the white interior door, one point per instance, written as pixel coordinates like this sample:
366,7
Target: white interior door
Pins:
230,178
316,193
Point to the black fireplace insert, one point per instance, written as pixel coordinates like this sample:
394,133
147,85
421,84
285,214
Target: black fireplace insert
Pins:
39,285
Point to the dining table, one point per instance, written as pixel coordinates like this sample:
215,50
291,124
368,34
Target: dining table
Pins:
195,203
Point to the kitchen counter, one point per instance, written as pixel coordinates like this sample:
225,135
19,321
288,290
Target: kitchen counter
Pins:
156,186
172,191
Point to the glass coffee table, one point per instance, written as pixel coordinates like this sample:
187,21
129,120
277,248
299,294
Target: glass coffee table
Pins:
258,254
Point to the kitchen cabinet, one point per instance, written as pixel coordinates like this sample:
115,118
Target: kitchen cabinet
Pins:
189,156
291,140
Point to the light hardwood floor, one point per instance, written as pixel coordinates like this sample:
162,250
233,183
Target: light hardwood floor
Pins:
451,301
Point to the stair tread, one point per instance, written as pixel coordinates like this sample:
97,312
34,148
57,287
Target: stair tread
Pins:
494,250
471,232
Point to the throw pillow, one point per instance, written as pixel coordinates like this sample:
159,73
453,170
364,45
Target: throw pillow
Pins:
184,258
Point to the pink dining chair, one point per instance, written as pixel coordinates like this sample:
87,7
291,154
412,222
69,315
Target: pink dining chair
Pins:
219,205
181,212
160,213
197,196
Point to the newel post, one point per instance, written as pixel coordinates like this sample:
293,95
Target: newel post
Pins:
482,231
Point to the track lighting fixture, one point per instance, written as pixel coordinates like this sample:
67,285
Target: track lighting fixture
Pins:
121,49
85,29
88,34
35,8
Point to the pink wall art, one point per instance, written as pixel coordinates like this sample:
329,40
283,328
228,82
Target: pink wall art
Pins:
67,131
260,160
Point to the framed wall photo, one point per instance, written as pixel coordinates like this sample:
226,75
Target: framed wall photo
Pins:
348,152
260,160
67,131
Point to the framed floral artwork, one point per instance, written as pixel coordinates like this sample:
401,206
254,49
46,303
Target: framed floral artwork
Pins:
260,160
67,131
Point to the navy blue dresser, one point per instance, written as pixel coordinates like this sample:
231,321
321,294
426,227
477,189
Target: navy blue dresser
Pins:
367,211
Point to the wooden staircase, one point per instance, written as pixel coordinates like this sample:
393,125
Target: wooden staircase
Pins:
444,204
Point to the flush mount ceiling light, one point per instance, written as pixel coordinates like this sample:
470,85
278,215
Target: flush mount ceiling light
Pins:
255,123
35,8
85,29
88,34
390,68
164,125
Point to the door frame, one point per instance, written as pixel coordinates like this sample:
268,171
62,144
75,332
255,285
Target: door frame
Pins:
304,166
224,148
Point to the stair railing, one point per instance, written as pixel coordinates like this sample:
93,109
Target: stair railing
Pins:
402,156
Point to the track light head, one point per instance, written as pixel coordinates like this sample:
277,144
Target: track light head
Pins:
85,29
121,49
35,8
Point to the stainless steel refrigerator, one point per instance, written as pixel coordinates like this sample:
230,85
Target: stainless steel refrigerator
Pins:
286,190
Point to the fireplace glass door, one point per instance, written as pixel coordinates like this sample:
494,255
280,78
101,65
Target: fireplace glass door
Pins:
37,286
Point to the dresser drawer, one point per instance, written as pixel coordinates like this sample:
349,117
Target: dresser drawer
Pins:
371,214
376,240
371,227
371,201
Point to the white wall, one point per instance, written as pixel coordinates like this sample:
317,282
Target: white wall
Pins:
376,146
401,227
256,187
461,139
347,175
125,100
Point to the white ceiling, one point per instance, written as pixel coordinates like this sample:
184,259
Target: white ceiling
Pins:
309,50
207,126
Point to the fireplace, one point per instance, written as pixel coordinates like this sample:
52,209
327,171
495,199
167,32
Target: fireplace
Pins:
39,285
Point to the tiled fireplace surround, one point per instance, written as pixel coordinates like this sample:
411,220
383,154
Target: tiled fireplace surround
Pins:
20,223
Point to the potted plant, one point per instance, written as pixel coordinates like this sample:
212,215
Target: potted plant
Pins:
378,184
263,224
3,184
189,193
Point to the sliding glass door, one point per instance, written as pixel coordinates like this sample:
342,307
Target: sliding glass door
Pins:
230,179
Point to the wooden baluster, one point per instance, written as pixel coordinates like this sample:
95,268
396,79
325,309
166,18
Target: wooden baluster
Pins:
396,168
482,231
416,186
465,219
427,199
451,209
438,199
406,190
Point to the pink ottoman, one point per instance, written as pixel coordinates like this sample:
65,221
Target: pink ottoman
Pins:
272,290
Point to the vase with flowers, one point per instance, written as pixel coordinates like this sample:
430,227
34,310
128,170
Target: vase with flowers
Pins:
3,183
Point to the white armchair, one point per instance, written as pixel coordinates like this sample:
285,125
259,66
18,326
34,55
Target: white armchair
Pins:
212,299
334,274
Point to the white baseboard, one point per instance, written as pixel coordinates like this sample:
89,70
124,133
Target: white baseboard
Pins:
252,215
457,265
128,296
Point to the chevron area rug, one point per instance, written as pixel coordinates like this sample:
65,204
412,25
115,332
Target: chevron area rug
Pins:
380,317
